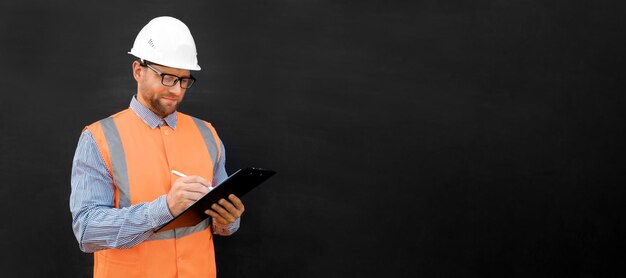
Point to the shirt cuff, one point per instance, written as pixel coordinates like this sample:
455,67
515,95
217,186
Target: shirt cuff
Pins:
225,230
158,212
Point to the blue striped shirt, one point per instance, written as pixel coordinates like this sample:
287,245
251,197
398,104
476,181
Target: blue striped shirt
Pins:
97,224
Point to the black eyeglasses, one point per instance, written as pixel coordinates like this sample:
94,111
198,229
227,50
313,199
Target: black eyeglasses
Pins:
170,79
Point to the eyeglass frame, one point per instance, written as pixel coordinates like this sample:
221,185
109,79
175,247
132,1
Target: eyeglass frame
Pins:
178,79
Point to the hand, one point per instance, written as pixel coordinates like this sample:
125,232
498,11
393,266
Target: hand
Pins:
226,212
184,192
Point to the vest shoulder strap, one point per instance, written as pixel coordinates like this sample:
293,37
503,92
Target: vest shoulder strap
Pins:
211,140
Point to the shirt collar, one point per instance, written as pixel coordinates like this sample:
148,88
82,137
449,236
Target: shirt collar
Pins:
151,119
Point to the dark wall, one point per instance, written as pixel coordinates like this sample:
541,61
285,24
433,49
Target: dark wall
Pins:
412,139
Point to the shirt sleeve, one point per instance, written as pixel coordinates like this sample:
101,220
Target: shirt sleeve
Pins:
220,175
97,224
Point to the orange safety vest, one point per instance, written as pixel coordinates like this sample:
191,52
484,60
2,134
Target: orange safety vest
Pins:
141,159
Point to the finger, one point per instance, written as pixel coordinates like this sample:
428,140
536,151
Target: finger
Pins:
197,179
185,184
191,196
195,187
230,208
237,202
222,212
216,217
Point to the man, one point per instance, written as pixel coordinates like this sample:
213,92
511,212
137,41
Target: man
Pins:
122,182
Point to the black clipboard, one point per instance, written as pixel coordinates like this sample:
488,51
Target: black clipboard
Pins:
239,183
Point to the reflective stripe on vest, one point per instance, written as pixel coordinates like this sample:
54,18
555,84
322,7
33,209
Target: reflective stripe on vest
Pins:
180,232
209,140
118,161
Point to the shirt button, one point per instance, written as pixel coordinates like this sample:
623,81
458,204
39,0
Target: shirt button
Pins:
167,132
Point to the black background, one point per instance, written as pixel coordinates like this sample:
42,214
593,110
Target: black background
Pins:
412,139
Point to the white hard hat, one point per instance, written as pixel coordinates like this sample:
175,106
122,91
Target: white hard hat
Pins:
166,41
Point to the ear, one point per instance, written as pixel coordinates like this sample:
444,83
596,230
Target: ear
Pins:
137,71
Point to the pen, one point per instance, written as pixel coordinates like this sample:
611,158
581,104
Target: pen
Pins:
178,174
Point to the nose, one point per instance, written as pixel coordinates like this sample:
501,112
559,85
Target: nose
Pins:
176,89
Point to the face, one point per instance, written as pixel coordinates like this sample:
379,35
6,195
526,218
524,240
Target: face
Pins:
160,99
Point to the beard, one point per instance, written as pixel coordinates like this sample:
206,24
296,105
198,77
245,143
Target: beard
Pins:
163,110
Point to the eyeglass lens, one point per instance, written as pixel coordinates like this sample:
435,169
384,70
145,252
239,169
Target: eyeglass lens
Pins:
171,80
